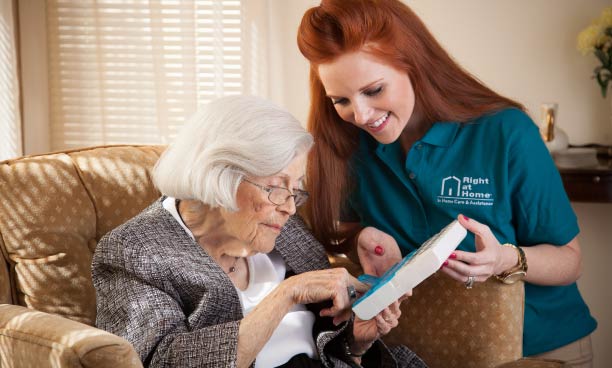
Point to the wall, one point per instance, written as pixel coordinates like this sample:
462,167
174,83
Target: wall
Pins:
288,70
525,50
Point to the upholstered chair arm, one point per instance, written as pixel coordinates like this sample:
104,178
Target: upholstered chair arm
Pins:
29,338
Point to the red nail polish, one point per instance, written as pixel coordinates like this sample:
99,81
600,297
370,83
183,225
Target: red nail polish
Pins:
445,263
466,218
453,255
379,250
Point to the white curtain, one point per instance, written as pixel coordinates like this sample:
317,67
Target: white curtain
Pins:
10,120
131,71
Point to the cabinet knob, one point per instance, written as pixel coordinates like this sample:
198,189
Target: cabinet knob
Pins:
596,179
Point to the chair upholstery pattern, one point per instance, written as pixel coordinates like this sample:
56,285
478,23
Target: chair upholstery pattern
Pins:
81,195
29,338
449,326
53,210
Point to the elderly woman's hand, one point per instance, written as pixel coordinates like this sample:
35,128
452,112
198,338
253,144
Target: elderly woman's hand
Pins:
366,332
331,284
377,251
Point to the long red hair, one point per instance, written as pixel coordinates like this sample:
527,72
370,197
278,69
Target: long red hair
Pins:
391,31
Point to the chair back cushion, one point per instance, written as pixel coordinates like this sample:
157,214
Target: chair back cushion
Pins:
452,327
449,326
53,210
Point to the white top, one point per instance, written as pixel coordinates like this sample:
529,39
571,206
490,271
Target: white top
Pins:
293,335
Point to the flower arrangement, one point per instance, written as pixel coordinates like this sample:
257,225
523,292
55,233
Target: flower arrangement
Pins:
597,39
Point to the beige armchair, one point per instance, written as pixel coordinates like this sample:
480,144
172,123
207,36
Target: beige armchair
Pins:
55,207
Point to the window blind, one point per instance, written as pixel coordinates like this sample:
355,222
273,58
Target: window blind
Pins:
131,71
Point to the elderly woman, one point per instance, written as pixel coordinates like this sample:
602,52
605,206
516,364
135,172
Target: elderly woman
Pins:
219,273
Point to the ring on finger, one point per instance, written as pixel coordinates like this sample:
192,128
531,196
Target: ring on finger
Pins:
352,293
469,283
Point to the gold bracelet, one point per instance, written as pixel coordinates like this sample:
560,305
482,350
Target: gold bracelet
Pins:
516,272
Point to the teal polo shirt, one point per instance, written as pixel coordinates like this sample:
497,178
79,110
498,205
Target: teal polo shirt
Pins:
496,170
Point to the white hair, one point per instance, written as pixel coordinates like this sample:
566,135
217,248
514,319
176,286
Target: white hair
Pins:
231,137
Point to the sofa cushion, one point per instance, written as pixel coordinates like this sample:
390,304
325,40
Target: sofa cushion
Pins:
53,210
119,183
34,339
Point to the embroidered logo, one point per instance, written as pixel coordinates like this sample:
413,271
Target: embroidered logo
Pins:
471,191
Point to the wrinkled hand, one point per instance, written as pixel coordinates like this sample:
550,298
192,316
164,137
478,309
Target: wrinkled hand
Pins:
366,332
482,264
321,285
374,263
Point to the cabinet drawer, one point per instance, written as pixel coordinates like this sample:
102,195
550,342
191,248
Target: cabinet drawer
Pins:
588,186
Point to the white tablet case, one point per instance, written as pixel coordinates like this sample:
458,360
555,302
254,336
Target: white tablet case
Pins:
409,272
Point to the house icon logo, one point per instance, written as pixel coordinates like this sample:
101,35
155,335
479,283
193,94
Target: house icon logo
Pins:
466,191
450,186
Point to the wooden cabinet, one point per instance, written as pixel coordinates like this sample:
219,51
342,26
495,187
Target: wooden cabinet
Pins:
589,185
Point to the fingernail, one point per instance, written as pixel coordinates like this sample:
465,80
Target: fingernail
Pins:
445,263
466,218
379,250
453,256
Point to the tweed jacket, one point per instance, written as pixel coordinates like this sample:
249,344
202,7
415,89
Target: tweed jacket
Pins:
158,289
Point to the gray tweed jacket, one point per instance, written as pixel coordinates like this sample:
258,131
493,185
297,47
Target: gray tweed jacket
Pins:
162,292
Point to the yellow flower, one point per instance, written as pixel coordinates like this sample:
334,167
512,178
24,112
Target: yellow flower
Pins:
589,38
606,17
595,34
597,39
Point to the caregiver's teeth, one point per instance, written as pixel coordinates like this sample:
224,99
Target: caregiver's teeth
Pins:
377,123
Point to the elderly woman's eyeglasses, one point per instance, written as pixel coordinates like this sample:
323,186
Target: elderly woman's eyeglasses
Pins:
279,196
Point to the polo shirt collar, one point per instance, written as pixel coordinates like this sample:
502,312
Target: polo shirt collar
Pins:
441,134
